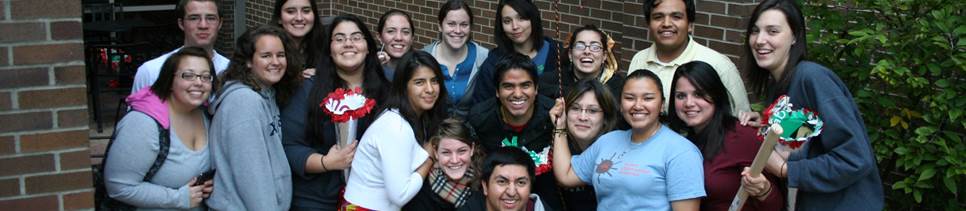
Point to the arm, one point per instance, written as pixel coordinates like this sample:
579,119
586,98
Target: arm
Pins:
141,78
847,156
562,168
397,158
247,153
305,160
684,176
686,205
482,85
131,155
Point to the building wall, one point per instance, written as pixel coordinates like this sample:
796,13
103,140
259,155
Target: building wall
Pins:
44,156
719,24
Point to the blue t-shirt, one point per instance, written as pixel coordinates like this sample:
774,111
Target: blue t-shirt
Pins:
645,176
456,84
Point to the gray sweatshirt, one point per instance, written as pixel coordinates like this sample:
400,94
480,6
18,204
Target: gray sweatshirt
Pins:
134,150
252,172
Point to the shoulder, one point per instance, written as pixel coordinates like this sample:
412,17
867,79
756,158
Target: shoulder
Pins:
137,121
743,135
674,140
221,62
614,136
720,62
639,60
816,76
480,50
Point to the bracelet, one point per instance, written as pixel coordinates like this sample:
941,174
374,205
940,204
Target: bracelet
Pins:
783,170
766,192
322,160
562,130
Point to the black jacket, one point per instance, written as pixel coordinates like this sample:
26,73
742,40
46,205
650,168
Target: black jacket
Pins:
536,136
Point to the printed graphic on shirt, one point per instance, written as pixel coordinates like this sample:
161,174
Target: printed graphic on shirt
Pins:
275,126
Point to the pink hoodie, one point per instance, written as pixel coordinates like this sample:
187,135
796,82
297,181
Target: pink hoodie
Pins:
148,103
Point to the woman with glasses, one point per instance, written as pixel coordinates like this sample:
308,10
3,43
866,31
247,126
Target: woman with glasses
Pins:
590,56
252,172
172,106
458,55
591,111
308,134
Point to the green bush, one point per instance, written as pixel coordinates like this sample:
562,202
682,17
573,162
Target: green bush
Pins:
905,62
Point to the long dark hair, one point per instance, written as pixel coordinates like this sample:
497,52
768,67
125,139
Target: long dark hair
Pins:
527,11
374,83
761,78
399,94
605,99
162,86
309,45
707,85
244,52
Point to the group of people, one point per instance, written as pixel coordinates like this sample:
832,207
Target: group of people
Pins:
458,126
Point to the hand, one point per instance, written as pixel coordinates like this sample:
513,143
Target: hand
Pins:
208,187
383,57
195,193
340,158
747,118
757,186
430,149
777,163
308,72
558,114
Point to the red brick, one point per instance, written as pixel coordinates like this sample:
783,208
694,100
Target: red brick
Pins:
710,7
6,103
728,22
34,203
7,145
46,54
23,10
9,187
76,201
726,48
66,30
72,118
22,32
52,98
53,141
708,32
26,77
58,182
735,36
16,122
70,75
26,165
75,160
4,59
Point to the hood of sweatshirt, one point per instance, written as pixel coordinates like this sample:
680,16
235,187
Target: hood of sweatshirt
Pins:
232,86
145,101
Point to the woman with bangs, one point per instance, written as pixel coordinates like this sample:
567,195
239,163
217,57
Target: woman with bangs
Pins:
309,135
520,30
300,21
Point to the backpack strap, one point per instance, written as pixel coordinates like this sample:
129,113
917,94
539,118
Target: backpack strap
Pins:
165,147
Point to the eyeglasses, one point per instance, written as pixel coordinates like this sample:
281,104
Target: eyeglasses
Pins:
189,76
593,47
586,111
341,38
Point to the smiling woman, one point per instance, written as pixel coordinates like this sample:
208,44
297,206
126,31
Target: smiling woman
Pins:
300,21
245,132
458,55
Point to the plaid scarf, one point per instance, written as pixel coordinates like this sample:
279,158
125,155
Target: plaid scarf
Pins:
455,192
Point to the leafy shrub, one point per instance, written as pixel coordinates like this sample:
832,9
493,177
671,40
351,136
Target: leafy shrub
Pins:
905,62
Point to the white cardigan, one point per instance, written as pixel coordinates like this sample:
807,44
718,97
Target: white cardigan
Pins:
383,174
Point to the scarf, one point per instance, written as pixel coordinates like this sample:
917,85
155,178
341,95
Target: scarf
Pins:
455,192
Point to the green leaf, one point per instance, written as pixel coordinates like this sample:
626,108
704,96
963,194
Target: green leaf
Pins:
927,174
901,150
950,183
942,83
918,195
925,131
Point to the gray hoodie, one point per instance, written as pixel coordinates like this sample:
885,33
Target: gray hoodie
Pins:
252,172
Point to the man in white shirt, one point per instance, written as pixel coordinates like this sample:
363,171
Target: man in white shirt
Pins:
669,24
200,20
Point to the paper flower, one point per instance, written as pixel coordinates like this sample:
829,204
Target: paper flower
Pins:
798,126
345,104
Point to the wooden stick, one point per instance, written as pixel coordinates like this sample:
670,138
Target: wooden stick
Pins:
756,166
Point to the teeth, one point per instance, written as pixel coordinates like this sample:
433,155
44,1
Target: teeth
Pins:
667,34
518,102
396,46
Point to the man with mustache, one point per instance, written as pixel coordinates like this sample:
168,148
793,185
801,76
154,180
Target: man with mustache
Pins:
200,20
518,118
669,25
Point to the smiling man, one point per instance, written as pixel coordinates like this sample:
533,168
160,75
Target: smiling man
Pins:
507,179
518,118
200,20
669,24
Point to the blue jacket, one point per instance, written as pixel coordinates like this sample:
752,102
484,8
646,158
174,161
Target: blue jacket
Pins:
836,170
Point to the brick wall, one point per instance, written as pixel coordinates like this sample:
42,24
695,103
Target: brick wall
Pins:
719,24
44,158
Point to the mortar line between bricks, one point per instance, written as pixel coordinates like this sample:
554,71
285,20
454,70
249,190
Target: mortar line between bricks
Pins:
55,65
45,42
6,12
57,161
43,88
16,144
42,153
47,29
57,109
51,130
51,173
